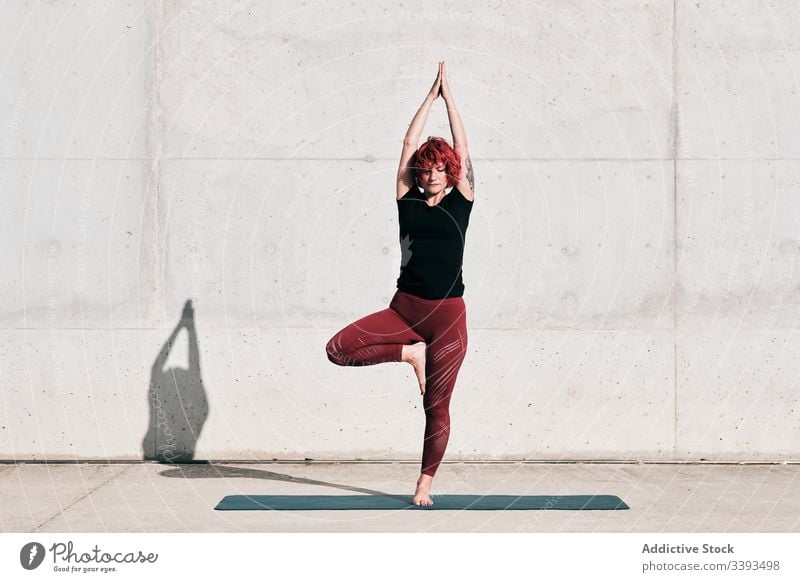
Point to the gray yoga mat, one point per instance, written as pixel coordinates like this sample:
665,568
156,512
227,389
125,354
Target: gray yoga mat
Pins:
383,502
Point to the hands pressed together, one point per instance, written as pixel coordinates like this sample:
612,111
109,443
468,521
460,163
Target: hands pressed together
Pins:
440,87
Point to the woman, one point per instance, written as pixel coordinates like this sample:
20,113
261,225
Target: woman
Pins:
425,324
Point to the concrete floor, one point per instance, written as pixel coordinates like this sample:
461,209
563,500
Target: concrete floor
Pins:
151,497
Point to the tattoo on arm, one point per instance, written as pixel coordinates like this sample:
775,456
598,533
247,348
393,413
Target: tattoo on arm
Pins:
470,175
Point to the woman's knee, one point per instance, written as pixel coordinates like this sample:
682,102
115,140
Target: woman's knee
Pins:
334,353
339,353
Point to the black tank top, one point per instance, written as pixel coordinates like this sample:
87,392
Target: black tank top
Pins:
432,244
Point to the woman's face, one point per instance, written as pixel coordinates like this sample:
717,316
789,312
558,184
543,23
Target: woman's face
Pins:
433,179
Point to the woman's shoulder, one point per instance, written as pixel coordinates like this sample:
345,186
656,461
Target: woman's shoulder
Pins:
455,190
409,194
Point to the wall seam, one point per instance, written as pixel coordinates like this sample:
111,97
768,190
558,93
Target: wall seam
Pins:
675,135
156,136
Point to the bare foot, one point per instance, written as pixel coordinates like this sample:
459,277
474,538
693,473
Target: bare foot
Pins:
422,495
415,355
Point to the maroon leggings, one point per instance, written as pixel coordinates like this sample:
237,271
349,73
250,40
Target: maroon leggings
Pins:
380,337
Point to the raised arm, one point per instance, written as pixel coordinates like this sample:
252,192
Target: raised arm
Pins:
405,176
466,180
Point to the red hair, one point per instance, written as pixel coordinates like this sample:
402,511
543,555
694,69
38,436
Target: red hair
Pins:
433,152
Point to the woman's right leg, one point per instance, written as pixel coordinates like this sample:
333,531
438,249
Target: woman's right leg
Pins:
373,339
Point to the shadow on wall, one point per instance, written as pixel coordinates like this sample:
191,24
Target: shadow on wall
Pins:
177,399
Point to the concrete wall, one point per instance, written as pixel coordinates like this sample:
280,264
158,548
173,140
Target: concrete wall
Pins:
632,263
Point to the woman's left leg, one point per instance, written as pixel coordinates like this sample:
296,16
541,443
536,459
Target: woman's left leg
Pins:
446,352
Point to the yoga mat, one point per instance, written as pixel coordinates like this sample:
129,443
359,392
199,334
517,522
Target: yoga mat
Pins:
382,502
